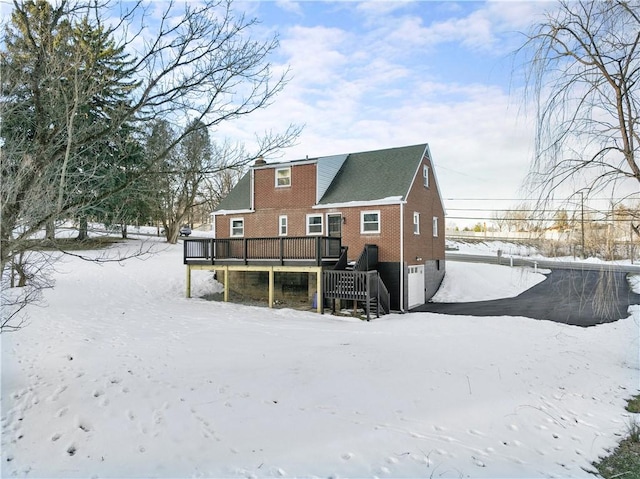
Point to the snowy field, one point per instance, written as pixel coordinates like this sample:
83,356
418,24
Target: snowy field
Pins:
121,376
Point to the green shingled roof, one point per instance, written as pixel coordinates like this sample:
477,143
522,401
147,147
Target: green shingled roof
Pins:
239,198
375,175
366,176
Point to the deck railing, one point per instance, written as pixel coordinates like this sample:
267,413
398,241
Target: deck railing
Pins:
359,286
310,249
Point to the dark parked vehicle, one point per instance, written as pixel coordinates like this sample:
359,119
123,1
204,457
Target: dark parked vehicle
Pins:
185,230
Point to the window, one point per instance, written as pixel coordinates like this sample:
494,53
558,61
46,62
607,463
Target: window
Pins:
435,226
314,224
425,175
283,177
237,227
370,222
282,226
416,223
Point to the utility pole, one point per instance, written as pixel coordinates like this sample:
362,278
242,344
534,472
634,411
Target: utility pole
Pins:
582,219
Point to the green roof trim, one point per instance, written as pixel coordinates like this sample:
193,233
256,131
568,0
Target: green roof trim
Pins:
375,175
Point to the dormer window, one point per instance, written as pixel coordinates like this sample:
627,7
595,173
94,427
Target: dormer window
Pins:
283,177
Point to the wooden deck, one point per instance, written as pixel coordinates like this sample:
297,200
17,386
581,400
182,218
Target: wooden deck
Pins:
316,255
278,251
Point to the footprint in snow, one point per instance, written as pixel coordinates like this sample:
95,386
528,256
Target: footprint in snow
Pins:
62,411
56,394
157,417
82,424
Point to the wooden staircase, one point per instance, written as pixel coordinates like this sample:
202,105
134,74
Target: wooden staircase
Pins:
360,283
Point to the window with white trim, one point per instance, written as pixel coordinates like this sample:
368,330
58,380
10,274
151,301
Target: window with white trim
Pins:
237,227
369,222
314,224
283,177
283,225
435,226
416,223
425,176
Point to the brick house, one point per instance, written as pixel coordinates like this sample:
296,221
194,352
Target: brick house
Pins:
384,199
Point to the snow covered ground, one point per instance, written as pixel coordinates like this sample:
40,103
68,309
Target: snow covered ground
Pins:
121,376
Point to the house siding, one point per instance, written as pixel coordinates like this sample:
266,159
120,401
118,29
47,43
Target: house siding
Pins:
424,248
433,275
395,253
386,240
301,192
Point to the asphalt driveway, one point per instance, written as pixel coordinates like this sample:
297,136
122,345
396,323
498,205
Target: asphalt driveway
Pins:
580,298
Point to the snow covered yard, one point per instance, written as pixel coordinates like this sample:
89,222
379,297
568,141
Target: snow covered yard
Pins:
121,376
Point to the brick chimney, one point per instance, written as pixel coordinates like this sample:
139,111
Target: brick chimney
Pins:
260,161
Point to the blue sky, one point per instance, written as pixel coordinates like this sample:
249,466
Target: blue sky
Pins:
376,74
369,75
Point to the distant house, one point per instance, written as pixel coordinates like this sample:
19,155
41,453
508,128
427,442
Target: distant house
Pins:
371,211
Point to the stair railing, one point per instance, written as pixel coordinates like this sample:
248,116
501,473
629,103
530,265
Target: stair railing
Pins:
368,259
383,295
359,286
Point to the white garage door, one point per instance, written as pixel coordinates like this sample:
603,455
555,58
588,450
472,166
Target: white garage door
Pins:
416,285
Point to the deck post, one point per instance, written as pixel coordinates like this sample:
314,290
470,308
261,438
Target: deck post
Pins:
281,251
320,293
318,251
271,275
188,281
226,284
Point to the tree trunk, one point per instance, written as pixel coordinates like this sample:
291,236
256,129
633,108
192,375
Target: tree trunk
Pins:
50,230
171,232
124,230
20,269
83,229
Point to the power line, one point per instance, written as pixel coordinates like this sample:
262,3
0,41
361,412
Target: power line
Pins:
522,200
533,219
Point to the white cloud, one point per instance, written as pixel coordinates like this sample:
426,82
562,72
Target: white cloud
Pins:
314,52
377,8
474,31
374,87
290,6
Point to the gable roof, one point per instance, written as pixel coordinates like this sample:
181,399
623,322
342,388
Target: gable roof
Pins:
375,175
357,177
239,198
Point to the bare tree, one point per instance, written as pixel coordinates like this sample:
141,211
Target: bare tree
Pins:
583,72
64,109
499,219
